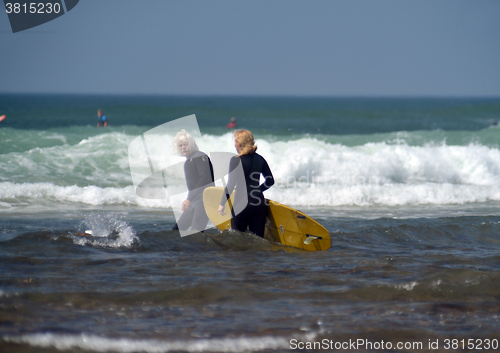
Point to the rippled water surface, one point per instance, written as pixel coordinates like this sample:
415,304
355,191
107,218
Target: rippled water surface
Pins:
145,287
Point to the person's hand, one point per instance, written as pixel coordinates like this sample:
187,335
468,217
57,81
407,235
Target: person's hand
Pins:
185,205
221,210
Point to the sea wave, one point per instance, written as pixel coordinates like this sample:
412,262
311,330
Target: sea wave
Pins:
102,344
308,170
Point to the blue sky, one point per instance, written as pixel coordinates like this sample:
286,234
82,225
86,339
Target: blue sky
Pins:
272,47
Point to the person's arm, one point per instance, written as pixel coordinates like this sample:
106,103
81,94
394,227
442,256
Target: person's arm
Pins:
268,177
231,182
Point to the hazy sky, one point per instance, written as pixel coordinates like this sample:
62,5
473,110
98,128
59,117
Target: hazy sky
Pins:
272,47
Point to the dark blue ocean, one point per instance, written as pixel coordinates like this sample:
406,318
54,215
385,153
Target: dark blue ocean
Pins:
409,189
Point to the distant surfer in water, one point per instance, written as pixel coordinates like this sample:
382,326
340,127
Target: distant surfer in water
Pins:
254,214
101,119
232,124
199,175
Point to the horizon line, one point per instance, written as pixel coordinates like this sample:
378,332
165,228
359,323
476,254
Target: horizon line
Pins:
220,95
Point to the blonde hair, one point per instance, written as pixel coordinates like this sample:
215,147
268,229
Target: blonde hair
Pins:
184,136
246,141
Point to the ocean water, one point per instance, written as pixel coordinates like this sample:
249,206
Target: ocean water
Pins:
409,189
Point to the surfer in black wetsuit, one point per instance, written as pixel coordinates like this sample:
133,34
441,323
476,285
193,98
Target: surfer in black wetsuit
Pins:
248,189
199,175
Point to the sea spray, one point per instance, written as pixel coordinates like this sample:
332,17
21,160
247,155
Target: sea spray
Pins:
107,230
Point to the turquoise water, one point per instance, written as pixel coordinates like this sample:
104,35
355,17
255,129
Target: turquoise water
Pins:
408,188
279,115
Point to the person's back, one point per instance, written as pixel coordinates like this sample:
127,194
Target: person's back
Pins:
253,166
249,196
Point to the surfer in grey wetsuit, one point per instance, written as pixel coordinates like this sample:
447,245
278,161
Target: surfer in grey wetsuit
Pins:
199,175
254,213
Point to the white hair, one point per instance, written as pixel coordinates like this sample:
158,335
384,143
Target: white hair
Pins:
184,136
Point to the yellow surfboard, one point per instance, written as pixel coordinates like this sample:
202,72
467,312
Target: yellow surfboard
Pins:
284,224
211,201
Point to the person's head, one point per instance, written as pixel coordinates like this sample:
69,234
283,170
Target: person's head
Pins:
99,113
184,144
244,142
233,120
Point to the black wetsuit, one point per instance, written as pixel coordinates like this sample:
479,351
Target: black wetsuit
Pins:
254,213
199,175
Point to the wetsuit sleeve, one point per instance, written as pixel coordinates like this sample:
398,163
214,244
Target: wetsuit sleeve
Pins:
268,177
231,182
206,177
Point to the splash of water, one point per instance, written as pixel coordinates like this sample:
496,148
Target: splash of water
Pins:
107,230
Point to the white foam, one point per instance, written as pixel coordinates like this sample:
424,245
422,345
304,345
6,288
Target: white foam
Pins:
407,286
388,195
312,160
308,171
126,345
